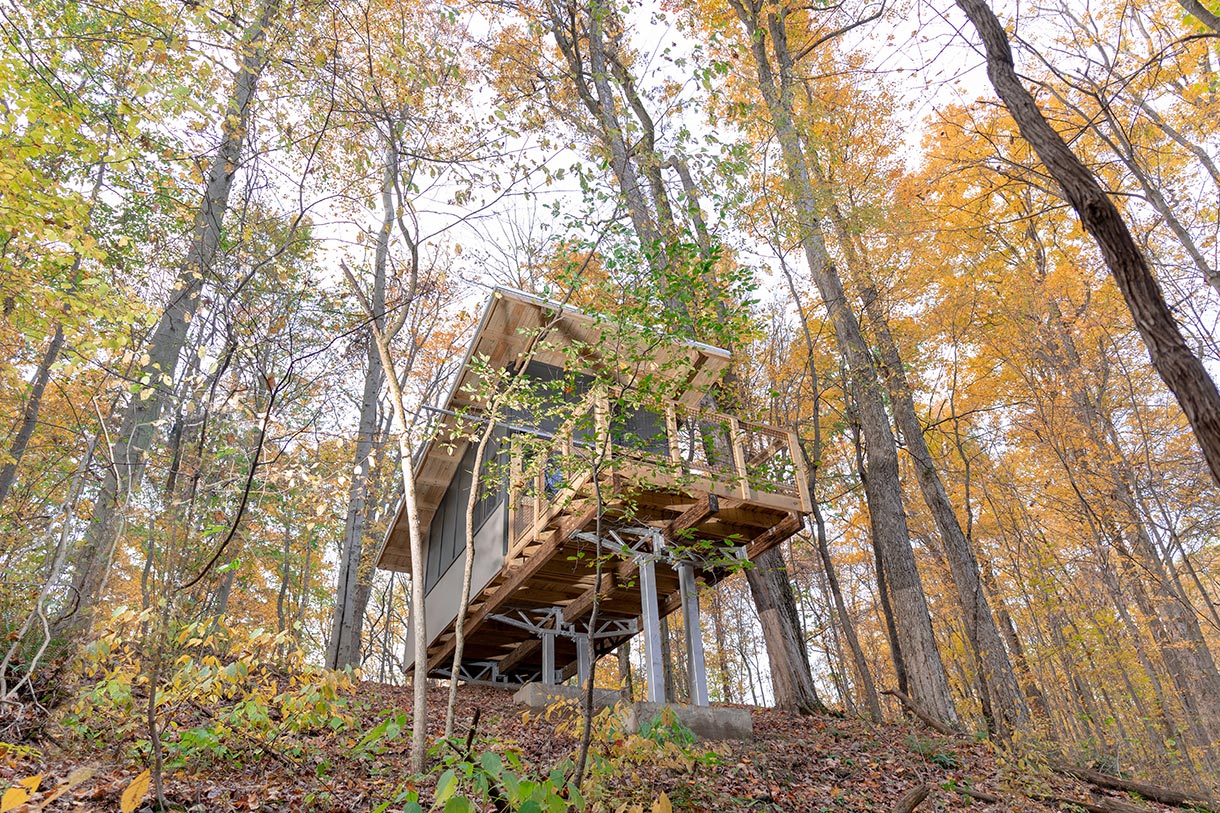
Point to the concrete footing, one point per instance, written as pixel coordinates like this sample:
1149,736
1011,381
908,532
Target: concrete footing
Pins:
707,722
541,696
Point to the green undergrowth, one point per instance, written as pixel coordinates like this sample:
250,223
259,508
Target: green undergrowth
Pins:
226,700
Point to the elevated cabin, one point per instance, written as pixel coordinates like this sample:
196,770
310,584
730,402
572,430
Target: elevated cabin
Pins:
669,491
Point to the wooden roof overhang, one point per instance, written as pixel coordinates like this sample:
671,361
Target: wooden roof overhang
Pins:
515,328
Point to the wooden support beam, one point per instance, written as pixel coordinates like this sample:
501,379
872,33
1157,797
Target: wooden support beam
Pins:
774,535
707,506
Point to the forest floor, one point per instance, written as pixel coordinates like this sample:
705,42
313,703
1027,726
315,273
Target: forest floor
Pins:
795,763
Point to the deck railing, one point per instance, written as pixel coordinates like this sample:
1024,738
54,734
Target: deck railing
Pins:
673,447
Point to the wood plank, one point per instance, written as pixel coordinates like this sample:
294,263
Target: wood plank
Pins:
774,535
681,528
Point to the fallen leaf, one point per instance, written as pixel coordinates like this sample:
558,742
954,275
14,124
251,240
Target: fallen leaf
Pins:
135,792
14,798
20,793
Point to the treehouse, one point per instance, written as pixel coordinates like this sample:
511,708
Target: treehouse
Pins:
602,454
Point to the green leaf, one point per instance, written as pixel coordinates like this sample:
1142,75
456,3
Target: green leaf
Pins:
459,804
492,763
578,799
445,786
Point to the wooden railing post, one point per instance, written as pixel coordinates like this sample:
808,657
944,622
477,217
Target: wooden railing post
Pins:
798,467
671,433
739,458
514,495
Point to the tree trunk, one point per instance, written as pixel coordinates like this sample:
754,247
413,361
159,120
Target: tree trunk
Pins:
419,628
929,686
459,623
1172,357
627,690
1201,13
281,596
29,415
347,620
139,421
790,674
42,376
996,677
667,663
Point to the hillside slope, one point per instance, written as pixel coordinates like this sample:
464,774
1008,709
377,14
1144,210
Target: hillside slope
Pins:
794,764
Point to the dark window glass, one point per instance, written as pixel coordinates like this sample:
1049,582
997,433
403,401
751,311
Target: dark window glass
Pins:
447,535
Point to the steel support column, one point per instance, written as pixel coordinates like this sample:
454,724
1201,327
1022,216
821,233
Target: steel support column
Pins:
548,658
583,666
650,615
697,668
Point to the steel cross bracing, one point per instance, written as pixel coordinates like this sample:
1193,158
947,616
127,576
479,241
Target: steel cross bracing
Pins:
645,547
552,623
480,672
549,624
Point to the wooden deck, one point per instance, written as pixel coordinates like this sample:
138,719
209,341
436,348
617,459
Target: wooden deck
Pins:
737,506
554,567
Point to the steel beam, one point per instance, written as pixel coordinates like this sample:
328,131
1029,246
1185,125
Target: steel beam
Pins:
583,665
548,657
651,617
697,668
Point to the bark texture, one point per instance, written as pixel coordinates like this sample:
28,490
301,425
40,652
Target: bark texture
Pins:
791,681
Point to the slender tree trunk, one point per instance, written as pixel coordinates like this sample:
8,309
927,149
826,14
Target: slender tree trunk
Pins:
1172,357
42,376
347,619
459,623
29,415
996,678
406,460
303,596
995,674
59,559
925,670
419,627
883,591
220,607
281,597
872,702
140,418
1033,695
